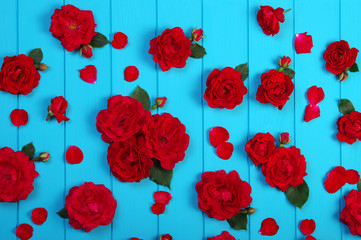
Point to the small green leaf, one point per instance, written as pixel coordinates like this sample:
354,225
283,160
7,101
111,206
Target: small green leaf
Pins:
36,55
289,72
142,96
63,213
354,68
243,69
346,106
99,41
160,175
298,196
29,150
238,221
359,185
197,50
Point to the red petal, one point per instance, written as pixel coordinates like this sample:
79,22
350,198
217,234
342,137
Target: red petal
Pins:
131,73
120,40
218,135
162,197
269,227
312,112
303,43
134,238
224,150
19,117
24,231
308,226
315,95
74,155
158,208
60,117
352,176
39,215
310,238
89,74
336,179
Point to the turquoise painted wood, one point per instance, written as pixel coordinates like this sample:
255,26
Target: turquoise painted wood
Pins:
232,37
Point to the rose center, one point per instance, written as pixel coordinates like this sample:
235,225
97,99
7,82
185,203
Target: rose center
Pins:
163,140
73,26
226,195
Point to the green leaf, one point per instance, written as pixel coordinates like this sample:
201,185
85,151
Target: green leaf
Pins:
238,221
354,68
243,69
29,150
298,196
36,55
289,72
359,185
346,106
197,50
142,96
160,175
63,213
99,41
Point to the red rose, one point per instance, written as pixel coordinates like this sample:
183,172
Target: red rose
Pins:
224,236
72,26
123,118
339,57
165,237
17,175
127,161
225,89
87,51
275,88
285,167
260,148
57,108
89,206
268,18
350,215
18,75
171,49
166,139
222,195
349,127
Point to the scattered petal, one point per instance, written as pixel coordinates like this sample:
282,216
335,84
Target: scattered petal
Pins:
158,208
303,43
312,112
89,74
120,40
336,179
19,117
308,226
24,231
39,215
74,155
218,135
162,197
269,227
310,238
352,176
224,150
134,238
315,95
165,237
131,73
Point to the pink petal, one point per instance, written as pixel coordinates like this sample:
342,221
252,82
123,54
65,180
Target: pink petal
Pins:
89,74
315,95
312,112
162,197
303,43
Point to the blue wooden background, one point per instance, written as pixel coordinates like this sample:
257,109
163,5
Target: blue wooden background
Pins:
232,37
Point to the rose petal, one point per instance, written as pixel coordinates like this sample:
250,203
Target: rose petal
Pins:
336,179
74,155
315,95
224,150
131,73
312,112
39,215
134,238
218,135
166,237
24,231
269,227
352,176
89,74
162,197
19,117
303,43
120,40
308,226
310,238
158,208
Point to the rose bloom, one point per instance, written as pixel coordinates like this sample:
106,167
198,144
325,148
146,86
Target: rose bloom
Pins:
260,148
224,236
225,89
18,75
58,106
285,167
17,175
339,57
123,118
222,195
276,88
350,215
171,49
349,127
89,206
72,26
268,18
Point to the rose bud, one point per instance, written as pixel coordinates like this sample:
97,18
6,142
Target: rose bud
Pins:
86,51
165,237
343,76
197,34
57,108
44,156
284,62
161,101
42,67
284,138
251,210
